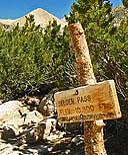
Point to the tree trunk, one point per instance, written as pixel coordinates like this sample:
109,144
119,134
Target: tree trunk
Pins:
93,131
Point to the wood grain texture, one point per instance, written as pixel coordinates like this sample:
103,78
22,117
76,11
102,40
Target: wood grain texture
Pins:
93,131
83,63
88,103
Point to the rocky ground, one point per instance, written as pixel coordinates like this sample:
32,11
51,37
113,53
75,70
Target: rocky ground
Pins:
30,126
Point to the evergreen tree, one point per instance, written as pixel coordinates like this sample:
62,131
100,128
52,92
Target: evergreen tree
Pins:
108,46
125,3
32,57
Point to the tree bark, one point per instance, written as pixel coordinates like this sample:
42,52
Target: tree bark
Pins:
93,131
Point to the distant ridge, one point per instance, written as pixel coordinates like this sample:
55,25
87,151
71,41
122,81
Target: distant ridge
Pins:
120,13
42,18
6,21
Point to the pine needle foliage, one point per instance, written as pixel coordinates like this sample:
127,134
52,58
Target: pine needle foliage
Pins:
32,57
107,38
125,3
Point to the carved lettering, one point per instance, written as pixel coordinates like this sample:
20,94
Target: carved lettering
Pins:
105,106
83,99
65,102
88,117
91,103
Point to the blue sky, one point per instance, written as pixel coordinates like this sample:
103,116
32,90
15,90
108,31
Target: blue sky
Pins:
16,8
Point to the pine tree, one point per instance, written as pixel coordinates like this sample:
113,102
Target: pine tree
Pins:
107,42
32,59
125,3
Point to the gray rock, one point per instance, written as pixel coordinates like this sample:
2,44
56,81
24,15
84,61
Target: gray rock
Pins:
7,133
78,140
46,107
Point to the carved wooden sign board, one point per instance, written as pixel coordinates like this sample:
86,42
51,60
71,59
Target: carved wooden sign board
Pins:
88,103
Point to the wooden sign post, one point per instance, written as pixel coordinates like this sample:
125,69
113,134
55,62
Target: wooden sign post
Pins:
91,104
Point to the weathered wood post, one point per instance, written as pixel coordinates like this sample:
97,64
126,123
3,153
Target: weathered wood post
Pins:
92,102
93,131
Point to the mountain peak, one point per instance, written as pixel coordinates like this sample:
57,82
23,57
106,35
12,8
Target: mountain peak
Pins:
41,16
39,10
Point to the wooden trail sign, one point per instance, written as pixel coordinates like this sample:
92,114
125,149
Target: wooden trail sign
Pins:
88,103
101,100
